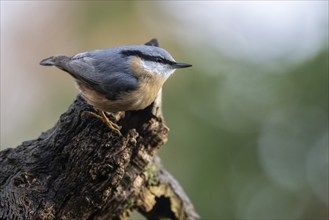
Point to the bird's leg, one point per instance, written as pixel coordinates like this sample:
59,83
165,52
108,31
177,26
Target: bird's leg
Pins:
118,115
102,116
110,123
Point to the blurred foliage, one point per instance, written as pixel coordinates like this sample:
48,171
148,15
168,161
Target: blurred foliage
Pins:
215,164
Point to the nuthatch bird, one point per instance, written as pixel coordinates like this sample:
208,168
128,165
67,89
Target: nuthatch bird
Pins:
120,78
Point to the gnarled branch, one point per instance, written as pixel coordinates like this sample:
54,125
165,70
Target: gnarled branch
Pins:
80,169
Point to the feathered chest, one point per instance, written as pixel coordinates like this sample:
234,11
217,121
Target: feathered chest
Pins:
149,84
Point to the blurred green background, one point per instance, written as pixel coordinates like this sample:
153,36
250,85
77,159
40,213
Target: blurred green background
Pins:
248,123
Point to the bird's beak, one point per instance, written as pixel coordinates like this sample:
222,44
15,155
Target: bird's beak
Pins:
180,65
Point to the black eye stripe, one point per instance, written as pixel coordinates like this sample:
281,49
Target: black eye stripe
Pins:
146,57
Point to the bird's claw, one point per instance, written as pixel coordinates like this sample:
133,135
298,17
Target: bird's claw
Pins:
102,116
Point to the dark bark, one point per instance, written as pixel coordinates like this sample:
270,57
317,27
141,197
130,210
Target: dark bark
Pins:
80,169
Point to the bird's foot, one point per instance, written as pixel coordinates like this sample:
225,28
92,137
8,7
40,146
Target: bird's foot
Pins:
102,116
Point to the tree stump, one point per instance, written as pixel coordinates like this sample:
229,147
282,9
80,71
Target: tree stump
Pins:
80,169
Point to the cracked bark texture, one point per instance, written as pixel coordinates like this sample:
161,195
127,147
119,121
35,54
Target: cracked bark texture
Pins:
80,169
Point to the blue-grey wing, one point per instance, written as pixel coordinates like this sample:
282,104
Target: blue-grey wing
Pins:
116,84
102,74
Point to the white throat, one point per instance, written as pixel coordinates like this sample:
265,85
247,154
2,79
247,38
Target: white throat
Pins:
164,70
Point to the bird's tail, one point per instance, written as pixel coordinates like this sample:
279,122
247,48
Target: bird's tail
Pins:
50,61
59,61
